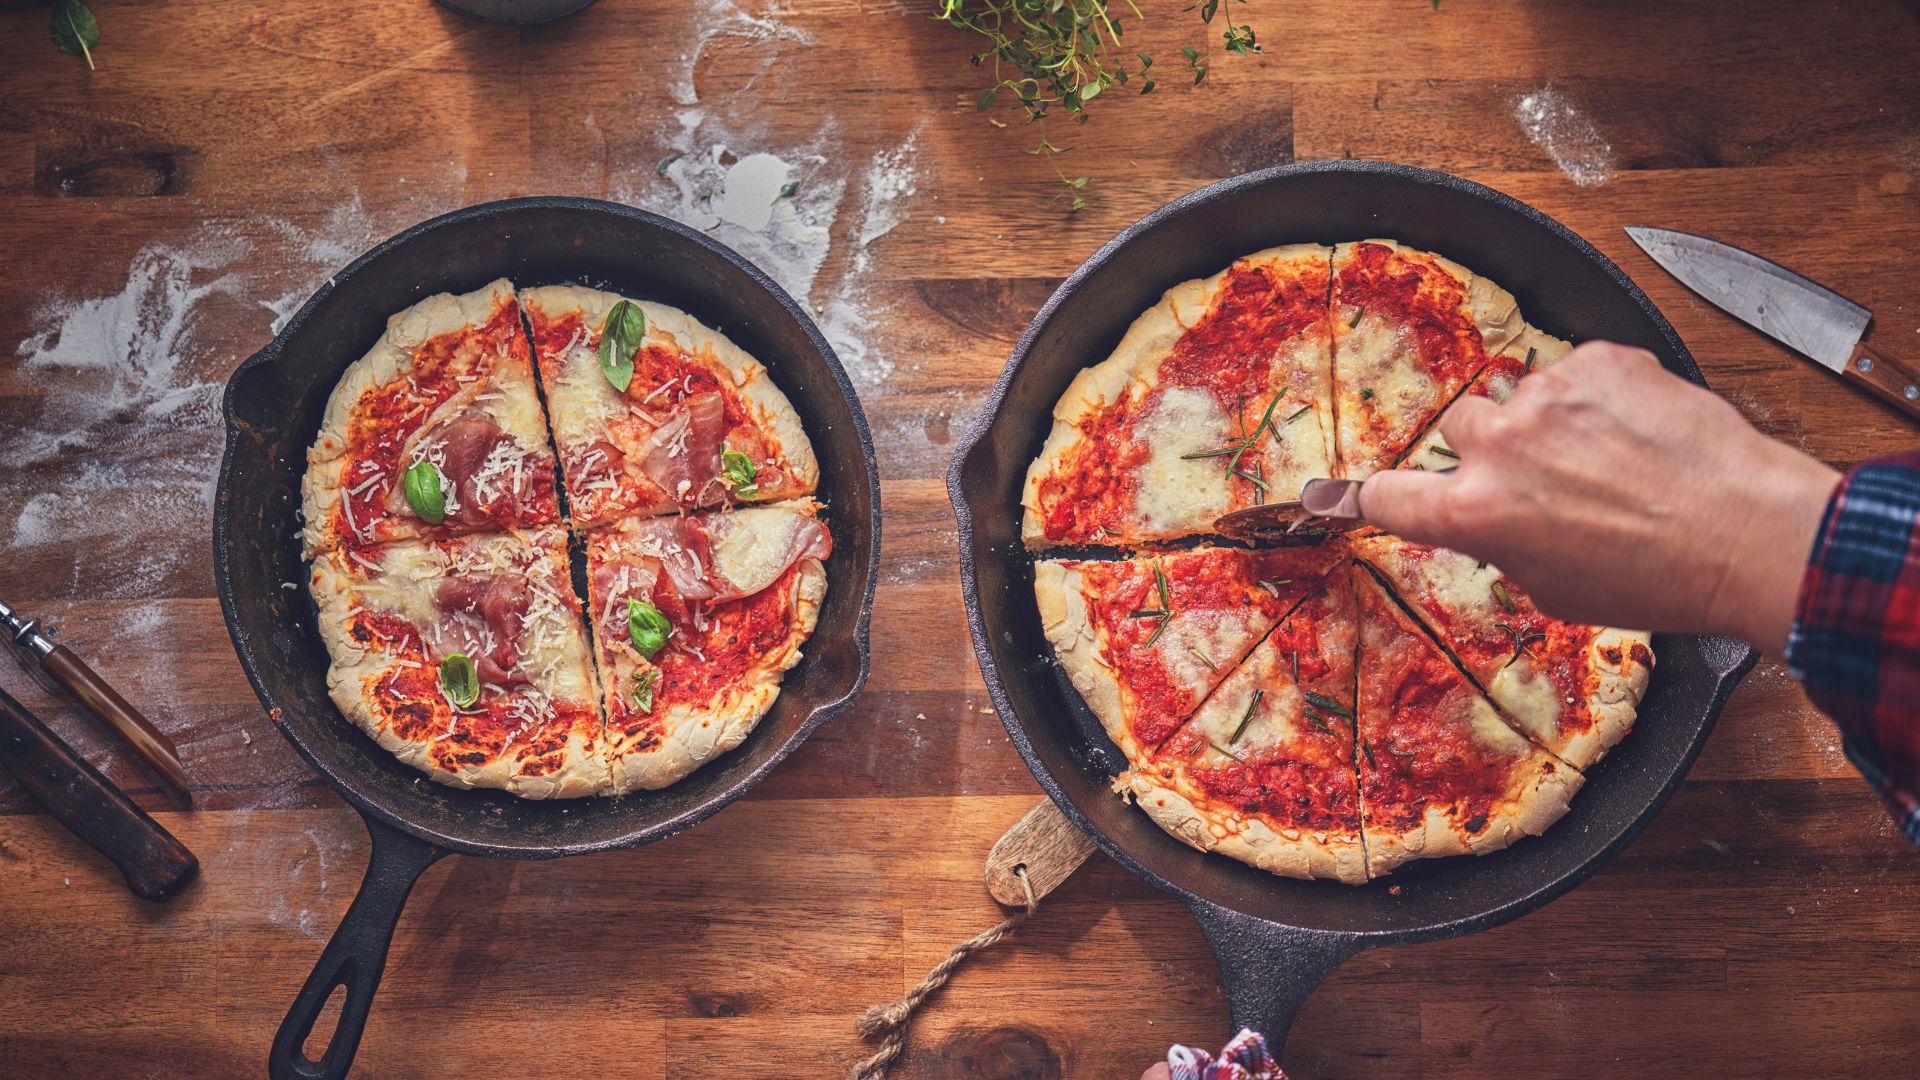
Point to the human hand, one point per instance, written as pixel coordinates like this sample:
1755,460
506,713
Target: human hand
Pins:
1618,494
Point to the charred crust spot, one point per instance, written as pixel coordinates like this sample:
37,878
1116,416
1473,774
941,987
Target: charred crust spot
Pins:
1477,822
361,632
1611,654
1641,654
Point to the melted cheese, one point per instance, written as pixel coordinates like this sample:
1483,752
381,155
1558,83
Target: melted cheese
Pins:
749,547
1382,357
1526,692
1454,580
1175,494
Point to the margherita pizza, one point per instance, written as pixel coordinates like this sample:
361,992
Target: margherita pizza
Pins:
1411,703
442,573
655,413
1216,399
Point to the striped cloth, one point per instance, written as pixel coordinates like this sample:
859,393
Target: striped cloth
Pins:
1855,642
1245,1058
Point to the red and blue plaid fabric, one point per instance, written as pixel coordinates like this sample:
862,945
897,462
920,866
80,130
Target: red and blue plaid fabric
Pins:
1855,642
1245,1058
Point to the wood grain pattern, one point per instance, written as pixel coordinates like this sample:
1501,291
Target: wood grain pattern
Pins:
238,153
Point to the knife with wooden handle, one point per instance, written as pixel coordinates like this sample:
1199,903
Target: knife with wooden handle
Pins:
1807,317
154,863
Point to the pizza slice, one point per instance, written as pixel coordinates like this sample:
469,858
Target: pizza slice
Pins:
1410,331
1440,772
465,658
1264,771
435,432
695,619
1573,689
654,412
1525,354
1145,640
1216,399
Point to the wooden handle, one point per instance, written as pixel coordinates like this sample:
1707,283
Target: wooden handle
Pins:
152,744
1043,841
1888,378
154,863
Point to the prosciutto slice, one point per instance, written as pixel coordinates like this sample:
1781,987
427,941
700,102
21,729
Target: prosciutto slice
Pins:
684,456
715,557
499,603
634,579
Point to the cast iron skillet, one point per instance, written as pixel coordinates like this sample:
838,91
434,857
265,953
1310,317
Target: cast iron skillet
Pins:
1276,938
273,407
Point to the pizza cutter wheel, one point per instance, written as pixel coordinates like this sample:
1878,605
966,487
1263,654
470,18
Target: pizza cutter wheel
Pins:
1324,504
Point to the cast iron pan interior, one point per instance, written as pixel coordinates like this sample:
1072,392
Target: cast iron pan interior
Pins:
1277,938
273,406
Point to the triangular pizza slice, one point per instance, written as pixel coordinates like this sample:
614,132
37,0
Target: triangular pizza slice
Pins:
1440,772
1525,354
1574,689
1145,640
1216,399
1264,771
1410,331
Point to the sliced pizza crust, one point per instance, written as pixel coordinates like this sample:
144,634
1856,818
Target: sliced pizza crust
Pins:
741,592
1525,354
1264,771
1143,673
1134,451
657,447
1573,689
450,382
1440,772
1410,330
391,613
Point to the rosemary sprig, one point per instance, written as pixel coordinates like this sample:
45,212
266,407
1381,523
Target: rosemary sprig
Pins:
1503,597
1520,641
1322,701
1203,658
1272,585
1355,321
1367,747
1443,452
1147,613
1530,355
1297,414
1252,706
1166,594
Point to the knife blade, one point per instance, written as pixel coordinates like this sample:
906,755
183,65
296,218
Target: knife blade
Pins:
1801,314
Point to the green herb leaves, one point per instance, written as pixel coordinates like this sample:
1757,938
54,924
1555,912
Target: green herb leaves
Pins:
1504,598
1234,450
641,692
1163,613
1246,718
620,338
460,680
646,627
1520,641
739,472
75,30
425,492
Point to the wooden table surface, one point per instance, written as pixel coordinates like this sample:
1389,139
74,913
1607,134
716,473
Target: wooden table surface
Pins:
159,214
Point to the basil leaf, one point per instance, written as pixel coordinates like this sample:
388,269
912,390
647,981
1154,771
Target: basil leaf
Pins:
425,493
641,694
75,30
740,472
647,627
460,680
620,338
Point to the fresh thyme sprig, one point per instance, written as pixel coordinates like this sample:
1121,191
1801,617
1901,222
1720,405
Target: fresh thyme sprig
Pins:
1061,54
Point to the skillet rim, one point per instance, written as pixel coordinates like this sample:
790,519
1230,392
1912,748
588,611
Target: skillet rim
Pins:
1728,669
345,785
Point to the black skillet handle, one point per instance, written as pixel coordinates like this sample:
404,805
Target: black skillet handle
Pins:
1269,970
355,959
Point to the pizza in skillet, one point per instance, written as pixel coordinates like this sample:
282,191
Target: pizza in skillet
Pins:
1440,772
696,618
1145,640
655,413
1573,689
1411,703
1264,770
1410,331
1216,399
436,431
465,657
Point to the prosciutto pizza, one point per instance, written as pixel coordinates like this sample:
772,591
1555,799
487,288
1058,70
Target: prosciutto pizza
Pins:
1573,689
1342,706
437,431
696,618
1264,770
443,568
1145,640
1216,399
466,659
655,413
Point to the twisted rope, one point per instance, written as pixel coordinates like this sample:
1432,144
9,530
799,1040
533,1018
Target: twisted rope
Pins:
891,1022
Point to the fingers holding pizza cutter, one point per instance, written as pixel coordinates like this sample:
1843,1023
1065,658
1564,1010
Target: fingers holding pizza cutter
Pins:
1323,504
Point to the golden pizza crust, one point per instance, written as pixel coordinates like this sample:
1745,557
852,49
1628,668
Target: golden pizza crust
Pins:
1063,618
1614,690
1301,853
1529,810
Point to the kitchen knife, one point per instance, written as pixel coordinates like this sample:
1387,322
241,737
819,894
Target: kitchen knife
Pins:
154,863
1810,319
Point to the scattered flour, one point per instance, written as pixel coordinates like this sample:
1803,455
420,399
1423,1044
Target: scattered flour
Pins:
890,178
724,19
1566,135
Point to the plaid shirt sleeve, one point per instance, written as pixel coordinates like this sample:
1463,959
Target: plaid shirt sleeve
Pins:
1855,642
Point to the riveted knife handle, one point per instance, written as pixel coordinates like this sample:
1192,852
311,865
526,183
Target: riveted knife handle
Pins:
154,863
1886,377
